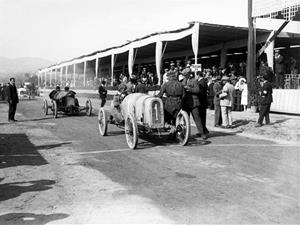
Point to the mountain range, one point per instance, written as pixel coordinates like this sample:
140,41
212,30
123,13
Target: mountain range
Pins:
22,65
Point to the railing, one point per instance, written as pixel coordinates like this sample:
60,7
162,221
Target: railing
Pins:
291,81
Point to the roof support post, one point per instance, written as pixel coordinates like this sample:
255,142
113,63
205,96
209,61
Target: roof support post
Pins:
251,55
270,54
130,60
195,40
67,83
223,57
51,78
112,68
74,74
84,71
61,71
158,59
38,78
55,75
96,67
45,80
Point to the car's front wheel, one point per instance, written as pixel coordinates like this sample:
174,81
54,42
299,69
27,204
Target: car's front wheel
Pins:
183,127
131,131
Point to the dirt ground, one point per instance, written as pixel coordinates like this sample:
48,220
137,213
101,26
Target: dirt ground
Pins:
43,179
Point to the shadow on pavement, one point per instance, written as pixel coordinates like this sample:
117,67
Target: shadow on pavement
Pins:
17,150
239,123
29,218
13,190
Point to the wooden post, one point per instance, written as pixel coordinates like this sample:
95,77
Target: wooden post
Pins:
223,57
84,71
61,71
74,74
251,62
66,74
55,75
96,68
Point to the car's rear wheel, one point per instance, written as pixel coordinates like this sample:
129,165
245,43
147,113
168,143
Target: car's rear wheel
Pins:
45,107
88,107
102,122
54,109
131,131
183,127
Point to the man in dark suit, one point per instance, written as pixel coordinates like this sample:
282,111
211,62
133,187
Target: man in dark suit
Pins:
102,93
266,100
174,91
203,100
12,99
279,69
217,91
191,102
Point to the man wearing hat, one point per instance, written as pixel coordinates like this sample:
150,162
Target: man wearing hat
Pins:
279,69
217,91
174,91
266,100
12,99
192,102
226,102
202,99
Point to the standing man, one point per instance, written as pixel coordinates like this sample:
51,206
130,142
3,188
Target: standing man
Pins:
217,91
226,102
102,93
174,91
191,102
12,99
203,100
266,100
279,69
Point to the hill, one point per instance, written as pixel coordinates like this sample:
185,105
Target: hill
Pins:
21,65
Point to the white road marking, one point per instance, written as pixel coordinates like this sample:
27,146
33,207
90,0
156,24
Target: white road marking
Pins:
182,148
21,155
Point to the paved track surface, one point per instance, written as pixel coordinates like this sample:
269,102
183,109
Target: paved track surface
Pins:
225,179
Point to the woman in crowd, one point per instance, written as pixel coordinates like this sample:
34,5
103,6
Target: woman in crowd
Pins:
242,86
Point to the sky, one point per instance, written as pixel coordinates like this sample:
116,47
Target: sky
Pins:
58,30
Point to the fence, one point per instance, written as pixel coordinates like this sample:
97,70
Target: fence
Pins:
291,81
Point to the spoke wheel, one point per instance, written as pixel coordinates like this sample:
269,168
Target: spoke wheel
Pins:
131,131
54,109
45,107
102,122
183,128
88,107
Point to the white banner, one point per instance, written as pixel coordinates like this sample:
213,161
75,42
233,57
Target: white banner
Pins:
130,60
158,57
195,40
270,54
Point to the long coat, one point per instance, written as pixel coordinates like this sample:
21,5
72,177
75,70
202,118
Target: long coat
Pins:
174,91
217,90
228,99
12,94
203,92
266,93
191,98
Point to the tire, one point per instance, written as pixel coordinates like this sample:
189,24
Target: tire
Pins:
54,109
102,122
89,107
183,128
131,131
45,107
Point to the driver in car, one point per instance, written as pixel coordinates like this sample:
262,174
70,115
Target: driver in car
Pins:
174,91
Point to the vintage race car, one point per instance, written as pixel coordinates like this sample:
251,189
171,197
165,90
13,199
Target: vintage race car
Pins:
144,114
65,102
